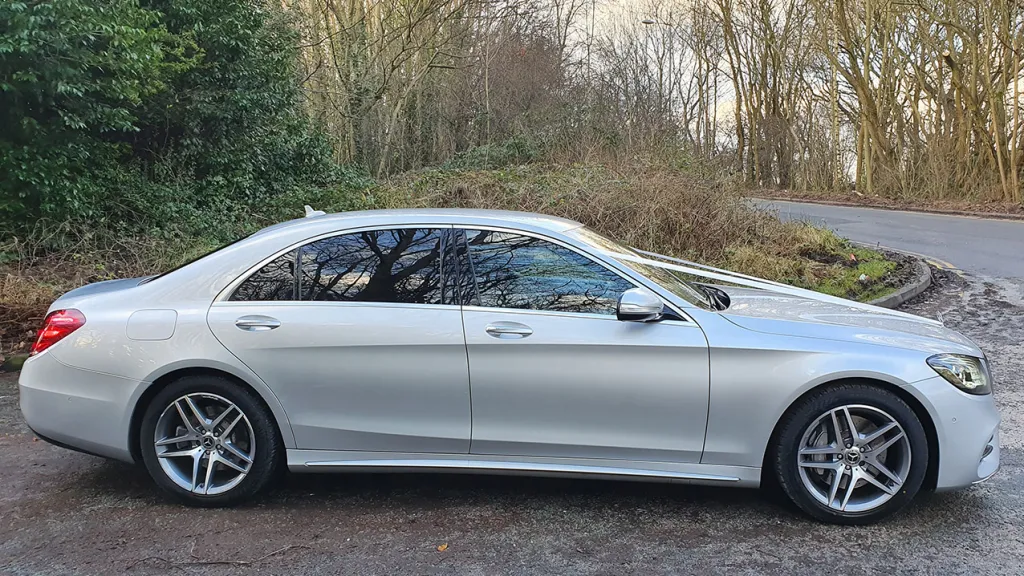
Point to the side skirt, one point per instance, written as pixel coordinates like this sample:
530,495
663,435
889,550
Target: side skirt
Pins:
312,461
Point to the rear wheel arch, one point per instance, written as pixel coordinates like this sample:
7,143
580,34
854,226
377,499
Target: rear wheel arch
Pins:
283,429
932,472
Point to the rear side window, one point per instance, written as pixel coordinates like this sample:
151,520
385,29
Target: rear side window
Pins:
401,265
273,282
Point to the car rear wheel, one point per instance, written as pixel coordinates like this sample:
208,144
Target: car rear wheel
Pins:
851,454
209,442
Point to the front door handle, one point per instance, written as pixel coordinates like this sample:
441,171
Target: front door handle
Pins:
507,330
257,323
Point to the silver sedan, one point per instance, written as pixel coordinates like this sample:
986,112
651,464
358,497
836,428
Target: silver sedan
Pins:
502,342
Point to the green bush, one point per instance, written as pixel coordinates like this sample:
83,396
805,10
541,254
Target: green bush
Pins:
163,117
72,75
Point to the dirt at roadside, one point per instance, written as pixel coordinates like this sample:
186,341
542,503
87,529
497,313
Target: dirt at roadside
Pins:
10,416
1007,210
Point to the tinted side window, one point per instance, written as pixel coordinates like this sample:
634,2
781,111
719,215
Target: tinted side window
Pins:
275,281
374,266
514,271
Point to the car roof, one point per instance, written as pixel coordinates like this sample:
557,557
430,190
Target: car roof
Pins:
458,216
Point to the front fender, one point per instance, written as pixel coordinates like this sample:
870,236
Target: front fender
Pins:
756,378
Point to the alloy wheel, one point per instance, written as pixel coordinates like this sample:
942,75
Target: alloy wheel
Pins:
204,443
854,458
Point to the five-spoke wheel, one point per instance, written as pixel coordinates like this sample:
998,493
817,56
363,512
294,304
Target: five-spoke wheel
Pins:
205,443
209,441
852,453
854,458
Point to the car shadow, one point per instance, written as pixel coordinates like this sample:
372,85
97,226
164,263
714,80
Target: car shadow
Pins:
325,489
426,493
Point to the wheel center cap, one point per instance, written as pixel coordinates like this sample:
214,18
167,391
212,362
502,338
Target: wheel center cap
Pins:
208,442
852,455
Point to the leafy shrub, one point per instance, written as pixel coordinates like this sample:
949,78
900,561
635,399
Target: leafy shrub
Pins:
171,118
72,74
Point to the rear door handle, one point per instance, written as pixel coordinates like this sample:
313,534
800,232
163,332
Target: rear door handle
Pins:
508,330
257,323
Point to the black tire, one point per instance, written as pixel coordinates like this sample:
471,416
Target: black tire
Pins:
268,456
806,411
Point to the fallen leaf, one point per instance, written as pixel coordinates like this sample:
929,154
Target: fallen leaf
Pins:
442,547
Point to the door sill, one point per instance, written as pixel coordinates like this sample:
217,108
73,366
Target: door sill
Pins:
312,461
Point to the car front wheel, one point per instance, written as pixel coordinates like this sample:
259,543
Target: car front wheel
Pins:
209,442
851,454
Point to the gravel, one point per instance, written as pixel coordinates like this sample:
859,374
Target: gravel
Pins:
66,513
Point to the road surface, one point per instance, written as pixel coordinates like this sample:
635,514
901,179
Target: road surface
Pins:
984,247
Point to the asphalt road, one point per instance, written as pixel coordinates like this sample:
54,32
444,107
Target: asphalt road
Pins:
984,247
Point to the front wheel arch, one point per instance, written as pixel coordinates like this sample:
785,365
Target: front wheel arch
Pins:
931,473
160,383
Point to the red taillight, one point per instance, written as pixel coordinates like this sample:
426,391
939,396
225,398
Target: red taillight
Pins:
56,326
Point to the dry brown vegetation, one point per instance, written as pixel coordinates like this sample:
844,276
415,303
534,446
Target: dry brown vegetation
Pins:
658,209
653,209
34,277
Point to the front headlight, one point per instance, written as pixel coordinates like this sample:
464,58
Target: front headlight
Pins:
965,372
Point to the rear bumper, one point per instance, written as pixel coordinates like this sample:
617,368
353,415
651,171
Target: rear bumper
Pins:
78,409
967,428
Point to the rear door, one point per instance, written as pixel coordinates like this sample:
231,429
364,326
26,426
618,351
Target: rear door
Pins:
555,374
360,339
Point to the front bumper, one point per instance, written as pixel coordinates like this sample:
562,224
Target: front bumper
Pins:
78,409
967,428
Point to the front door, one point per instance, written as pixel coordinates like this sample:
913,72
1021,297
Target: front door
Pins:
555,374
356,336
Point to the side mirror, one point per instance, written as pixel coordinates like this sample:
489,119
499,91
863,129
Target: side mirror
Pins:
639,305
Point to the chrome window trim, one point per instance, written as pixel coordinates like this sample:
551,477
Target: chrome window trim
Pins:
225,294
333,304
223,297
560,314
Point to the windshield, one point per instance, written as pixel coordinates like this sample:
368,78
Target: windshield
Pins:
669,279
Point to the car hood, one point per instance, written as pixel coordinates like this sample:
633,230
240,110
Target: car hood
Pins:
775,313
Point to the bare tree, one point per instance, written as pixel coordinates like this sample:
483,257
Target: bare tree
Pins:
916,98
